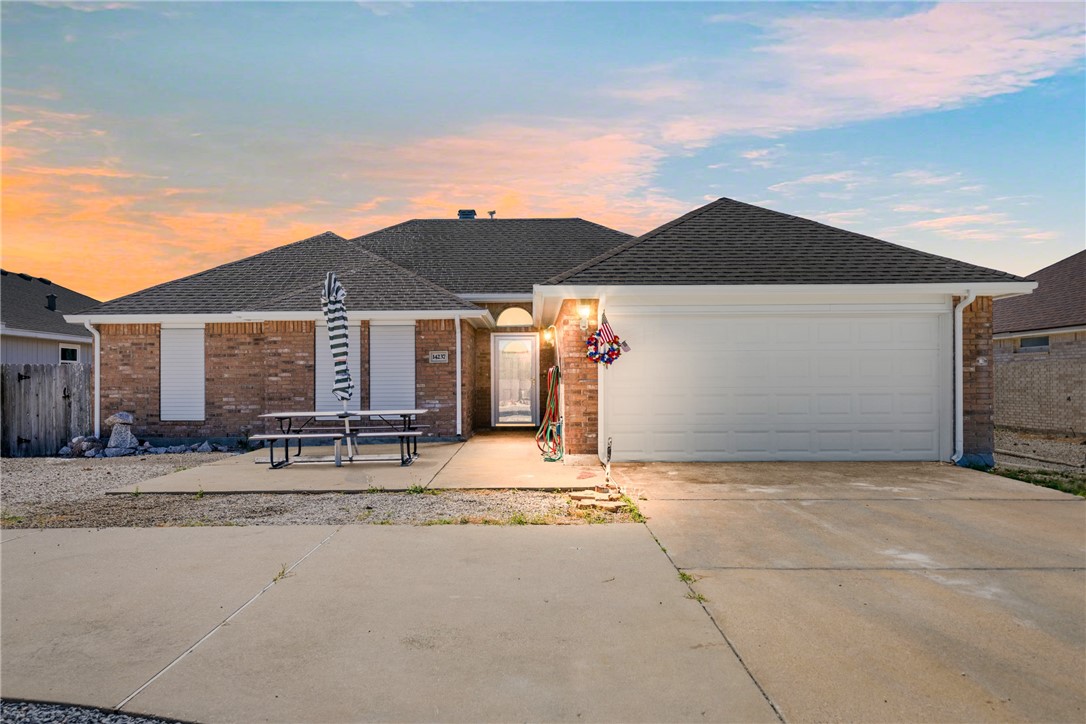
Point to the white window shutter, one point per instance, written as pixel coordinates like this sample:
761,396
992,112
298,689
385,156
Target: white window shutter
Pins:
182,370
392,367
325,371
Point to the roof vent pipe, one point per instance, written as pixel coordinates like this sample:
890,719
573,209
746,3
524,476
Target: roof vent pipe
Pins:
492,213
51,302
466,214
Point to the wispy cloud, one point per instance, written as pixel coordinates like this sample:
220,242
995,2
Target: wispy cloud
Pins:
847,180
919,177
815,71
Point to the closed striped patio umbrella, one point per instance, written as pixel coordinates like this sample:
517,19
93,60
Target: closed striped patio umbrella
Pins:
335,314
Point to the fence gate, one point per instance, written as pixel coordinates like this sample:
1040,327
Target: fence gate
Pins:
43,407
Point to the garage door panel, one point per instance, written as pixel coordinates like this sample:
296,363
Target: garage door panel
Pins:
702,387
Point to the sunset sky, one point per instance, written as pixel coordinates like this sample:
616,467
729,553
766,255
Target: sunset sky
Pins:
146,141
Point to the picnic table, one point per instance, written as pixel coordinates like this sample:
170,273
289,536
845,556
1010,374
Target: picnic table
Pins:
305,425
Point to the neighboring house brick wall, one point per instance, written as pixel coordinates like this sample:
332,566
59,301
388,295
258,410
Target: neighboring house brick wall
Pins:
978,381
1042,391
580,380
435,384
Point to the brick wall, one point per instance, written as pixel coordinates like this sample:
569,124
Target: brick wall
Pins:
130,373
250,368
580,380
435,384
1042,391
468,379
288,349
977,381
235,376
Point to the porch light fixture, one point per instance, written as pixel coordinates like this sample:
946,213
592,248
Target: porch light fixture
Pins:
548,335
583,311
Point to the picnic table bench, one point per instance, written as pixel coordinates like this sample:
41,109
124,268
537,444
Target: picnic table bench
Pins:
397,424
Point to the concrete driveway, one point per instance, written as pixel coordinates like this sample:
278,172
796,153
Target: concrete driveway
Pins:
885,592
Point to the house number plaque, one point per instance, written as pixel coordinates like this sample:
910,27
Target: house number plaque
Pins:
441,357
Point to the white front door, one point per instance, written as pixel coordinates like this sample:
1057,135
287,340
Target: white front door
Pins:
816,386
514,374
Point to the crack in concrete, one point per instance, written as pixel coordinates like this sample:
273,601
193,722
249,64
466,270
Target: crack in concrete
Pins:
728,641
278,577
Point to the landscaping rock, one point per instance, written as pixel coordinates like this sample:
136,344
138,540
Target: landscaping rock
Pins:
117,452
205,448
65,451
121,437
90,453
120,418
177,449
222,448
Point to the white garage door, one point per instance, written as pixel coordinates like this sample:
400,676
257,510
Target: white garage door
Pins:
717,387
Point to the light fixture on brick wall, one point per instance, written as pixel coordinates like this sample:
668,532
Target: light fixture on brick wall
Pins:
583,311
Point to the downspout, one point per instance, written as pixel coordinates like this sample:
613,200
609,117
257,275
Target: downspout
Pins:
97,378
459,382
959,383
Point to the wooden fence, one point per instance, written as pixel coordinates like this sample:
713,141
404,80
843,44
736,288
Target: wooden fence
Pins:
42,407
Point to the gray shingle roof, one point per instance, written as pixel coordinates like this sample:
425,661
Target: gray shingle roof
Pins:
270,280
1058,301
23,305
378,285
474,256
730,242
491,256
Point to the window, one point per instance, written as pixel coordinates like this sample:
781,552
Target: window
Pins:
392,366
515,317
182,370
1033,344
69,354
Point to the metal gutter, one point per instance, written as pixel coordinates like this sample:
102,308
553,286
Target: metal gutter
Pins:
97,378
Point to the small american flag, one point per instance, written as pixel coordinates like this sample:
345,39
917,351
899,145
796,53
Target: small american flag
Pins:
606,333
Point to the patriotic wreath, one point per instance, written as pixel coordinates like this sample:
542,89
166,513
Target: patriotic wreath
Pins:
600,351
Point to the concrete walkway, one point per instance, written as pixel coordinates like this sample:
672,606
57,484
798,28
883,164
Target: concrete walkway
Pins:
366,623
897,592
488,460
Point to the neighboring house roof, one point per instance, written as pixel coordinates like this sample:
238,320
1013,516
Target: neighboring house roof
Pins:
24,305
1058,301
491,256
730,242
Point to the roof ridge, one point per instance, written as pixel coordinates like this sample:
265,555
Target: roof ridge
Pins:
881,241
227,265
388,262
558,278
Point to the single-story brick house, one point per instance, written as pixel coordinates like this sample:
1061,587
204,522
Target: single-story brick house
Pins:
755,335
1040,353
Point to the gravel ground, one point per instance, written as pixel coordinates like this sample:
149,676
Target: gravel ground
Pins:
1069,451
33,713
60,493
